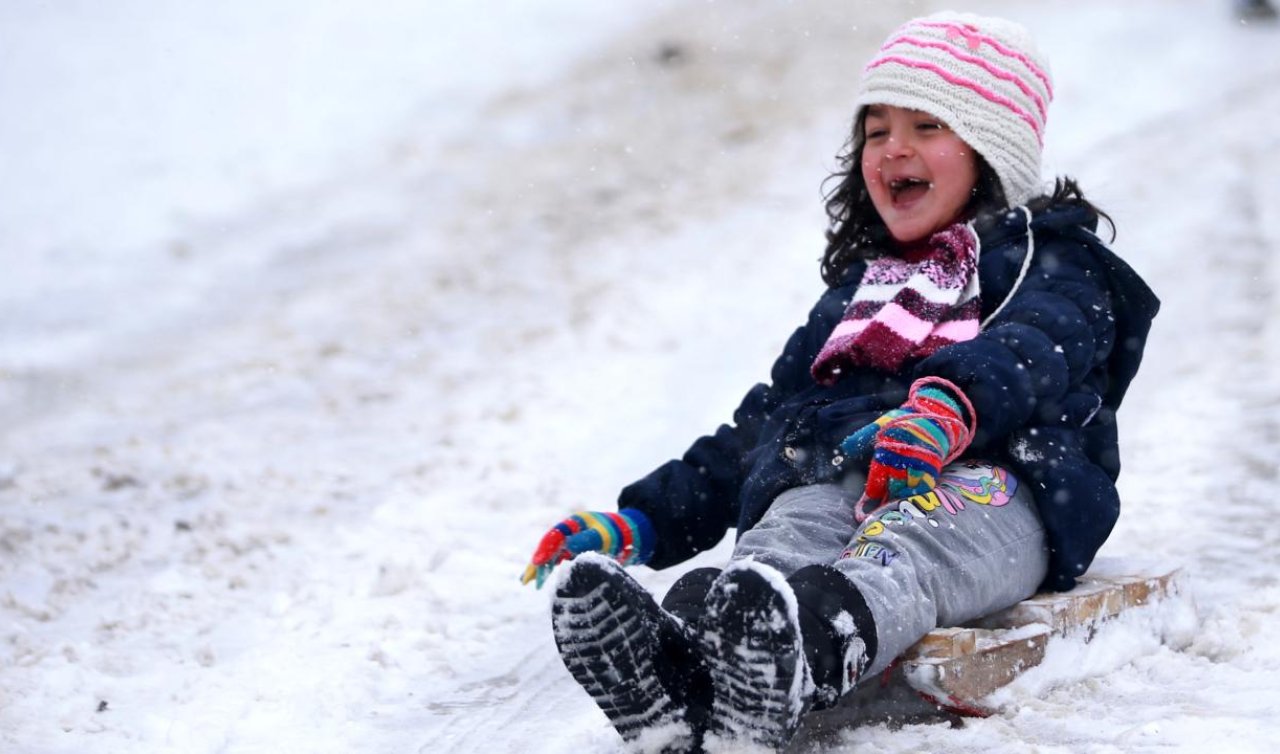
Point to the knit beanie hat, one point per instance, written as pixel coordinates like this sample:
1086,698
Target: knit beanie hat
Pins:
982,76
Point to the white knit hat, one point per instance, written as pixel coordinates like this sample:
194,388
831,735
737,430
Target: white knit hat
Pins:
982,76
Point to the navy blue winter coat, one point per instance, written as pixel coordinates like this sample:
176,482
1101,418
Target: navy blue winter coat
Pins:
1045,376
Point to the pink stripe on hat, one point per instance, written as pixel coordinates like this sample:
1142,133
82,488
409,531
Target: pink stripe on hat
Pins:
967,83
970,32
989,67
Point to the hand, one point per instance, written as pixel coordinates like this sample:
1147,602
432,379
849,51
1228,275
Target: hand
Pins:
910,445
627,536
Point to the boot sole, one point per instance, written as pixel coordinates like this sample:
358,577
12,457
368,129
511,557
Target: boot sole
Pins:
756,663
608,643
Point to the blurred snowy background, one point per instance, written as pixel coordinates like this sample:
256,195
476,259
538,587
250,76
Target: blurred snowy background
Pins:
314,315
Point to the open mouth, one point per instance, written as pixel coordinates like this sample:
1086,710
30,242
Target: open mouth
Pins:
908,189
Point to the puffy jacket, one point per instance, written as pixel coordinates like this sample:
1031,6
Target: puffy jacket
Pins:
1045,375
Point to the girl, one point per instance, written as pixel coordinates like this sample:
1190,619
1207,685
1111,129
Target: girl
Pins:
937,442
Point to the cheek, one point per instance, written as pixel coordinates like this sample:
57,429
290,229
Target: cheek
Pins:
965,165
968,169
870,173
959,172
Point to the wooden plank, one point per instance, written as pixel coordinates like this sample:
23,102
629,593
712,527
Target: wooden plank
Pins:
946,642
962,681
1092,600
958,667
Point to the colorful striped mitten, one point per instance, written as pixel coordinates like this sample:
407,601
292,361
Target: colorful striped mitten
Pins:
910,445
626,536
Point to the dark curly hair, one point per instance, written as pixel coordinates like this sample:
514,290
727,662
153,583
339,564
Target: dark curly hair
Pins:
855,231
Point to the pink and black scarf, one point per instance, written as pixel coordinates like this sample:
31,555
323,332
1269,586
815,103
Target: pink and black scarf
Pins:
907,307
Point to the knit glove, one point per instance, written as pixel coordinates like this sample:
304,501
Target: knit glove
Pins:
626,536
910,445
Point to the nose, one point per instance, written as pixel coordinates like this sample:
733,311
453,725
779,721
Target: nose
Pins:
898,145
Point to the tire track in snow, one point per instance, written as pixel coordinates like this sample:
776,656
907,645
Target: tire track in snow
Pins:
1211,353
1198,430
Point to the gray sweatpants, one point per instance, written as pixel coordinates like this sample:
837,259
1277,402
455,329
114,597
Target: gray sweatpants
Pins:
972,546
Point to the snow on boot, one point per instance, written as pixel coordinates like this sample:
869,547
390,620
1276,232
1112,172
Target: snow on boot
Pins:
838,629
609,632
755,653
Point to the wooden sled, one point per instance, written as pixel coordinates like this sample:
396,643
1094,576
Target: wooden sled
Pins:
956,668
953,671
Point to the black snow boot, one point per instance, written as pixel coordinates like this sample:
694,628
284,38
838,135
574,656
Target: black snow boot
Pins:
753,647
838,630
637,661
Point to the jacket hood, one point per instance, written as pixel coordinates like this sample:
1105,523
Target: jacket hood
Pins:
1011,223
1134,304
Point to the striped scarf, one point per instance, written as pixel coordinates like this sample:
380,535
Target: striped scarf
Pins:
907,307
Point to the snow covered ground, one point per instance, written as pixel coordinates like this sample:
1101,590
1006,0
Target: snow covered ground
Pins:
313,319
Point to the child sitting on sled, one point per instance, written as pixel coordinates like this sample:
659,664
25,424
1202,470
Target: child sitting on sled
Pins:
937,442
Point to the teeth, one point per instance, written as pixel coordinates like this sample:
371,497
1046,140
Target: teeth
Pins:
899,184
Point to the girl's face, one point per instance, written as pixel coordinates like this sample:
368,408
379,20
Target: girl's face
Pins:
919,174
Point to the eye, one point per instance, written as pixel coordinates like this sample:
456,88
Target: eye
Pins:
931,125
876,132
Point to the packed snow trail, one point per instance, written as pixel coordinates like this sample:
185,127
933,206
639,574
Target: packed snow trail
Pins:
290,514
